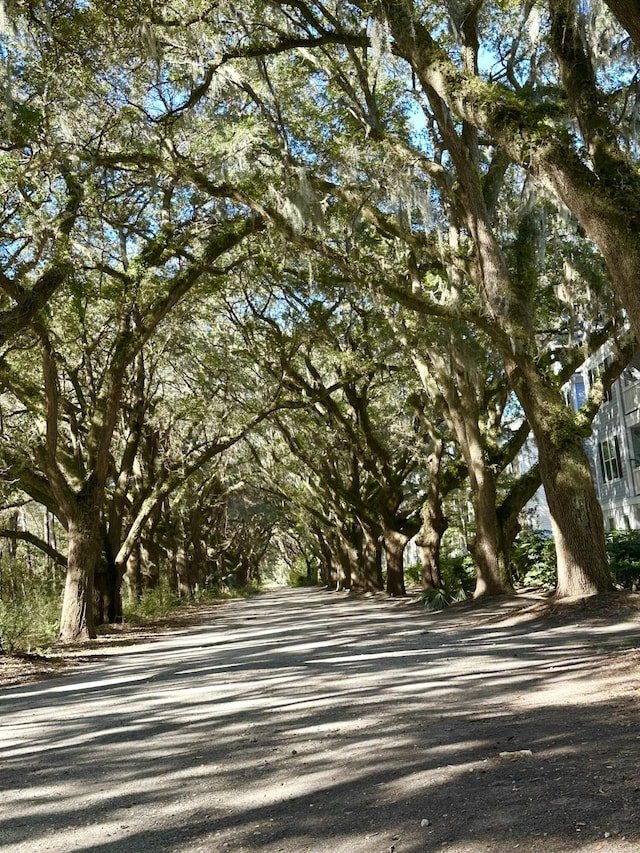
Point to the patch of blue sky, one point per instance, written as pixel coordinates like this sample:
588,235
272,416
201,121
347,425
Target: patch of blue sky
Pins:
14,253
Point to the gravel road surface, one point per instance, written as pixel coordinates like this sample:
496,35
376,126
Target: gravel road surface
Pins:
302,720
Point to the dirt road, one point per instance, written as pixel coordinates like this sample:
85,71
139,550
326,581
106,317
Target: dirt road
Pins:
306,721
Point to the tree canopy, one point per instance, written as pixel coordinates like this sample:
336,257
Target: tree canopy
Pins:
301,273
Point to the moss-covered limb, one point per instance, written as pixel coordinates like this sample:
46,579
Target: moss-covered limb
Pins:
487,105
32,539
502,455
588,104
572,358
605,199
432,255
520,492
493,180
577,72
439,78
30,301
610,217
620,356
17,468
568,483
525,275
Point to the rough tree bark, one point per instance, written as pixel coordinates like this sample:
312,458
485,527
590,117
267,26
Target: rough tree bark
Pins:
434,522
394,545
509,306
576,516
366,560
77,618
463,416
434,526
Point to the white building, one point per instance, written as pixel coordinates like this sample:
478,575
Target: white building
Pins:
614,446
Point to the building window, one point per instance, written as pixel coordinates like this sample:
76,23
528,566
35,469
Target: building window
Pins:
610,464
635,445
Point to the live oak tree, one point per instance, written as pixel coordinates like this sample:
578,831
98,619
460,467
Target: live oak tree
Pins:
194,395
492,275
146,148
356,436
457,372
552,99
140,243
442,70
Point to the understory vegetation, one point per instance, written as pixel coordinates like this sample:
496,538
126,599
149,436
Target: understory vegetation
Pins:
30,611
534,560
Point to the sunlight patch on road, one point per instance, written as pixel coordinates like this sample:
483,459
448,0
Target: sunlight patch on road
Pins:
411,784
208,668
294,786
383,655
77,687
333,727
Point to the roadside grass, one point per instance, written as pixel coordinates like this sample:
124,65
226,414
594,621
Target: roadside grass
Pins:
162,602
29,625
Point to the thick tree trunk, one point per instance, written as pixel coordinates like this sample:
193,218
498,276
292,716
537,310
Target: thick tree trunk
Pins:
133,575
394,545
434,522
109,579
113,599
492,575
337,574
507,533
77,621
372,558
463,415
184,573
345,559
353,554
152,555
434,526
100,592
173,578
576,516
242,572
366,561
327,559
576,519
628,13
197,551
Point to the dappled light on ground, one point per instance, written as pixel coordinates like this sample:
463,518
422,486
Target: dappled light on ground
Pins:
305,721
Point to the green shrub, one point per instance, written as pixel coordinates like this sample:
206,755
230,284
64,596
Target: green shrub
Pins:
153,603
413,573
300,579
458,571
225,589
533,560
299,574
458,581
623,549
438,599
31,622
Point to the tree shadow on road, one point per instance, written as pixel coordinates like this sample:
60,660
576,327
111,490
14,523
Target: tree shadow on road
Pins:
303,722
